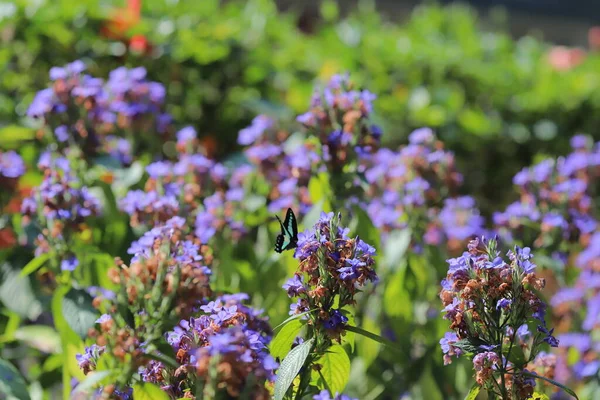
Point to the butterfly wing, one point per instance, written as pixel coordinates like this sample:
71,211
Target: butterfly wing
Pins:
291,227
280,243
288,238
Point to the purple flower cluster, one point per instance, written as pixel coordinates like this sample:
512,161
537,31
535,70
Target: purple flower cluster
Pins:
12,168
578,307
229,333
87,360
406,186
59,206
11,165
339,118
555,202
83,110
331,264
489,301
206,193
457,221
285,169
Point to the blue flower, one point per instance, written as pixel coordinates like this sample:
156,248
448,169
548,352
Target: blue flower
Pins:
294,286
69,263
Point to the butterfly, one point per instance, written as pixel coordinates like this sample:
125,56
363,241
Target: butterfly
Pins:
288,238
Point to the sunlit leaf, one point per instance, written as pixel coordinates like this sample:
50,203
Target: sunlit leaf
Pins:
290,367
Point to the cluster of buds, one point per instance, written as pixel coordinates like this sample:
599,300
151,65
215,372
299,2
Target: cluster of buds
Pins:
332,269
227,337
339,117
167,279
556,200
78,109
490,303
61,207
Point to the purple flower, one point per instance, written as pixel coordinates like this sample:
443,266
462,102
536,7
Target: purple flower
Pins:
294,286
324,395
503,304
580,142
11,165
336,318
551,340
159,169
186,134
104,318
69,263
250,134
421,136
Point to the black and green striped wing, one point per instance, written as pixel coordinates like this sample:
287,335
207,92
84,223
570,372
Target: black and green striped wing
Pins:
288,238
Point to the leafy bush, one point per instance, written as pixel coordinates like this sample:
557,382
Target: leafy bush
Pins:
488,96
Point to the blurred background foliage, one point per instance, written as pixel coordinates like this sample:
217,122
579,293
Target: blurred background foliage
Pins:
490,98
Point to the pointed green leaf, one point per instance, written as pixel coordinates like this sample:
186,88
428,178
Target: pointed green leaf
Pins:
12,384
78,311
91,380
368,349
41,337
34,265
472,395
17,294
553,382
282,343
335,369
290,367
373,336
148,391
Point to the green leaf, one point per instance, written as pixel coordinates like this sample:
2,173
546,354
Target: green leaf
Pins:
34,265
396,299
335,369
148,391
472,395
17,295
282,343
91,380
318,187
78,311
373,336
368,349
395,247
290,367
540,396
553,382
41,337
12,384
12,135
349,337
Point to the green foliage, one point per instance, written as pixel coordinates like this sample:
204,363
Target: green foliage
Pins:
282,342
12,384
335,369
148,391
479,90
78,311
289,368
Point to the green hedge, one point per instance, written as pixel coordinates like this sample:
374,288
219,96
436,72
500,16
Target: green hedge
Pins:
490,98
